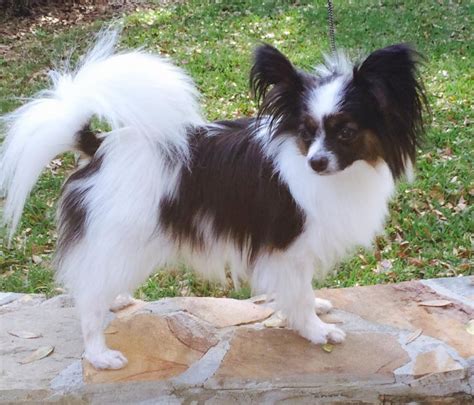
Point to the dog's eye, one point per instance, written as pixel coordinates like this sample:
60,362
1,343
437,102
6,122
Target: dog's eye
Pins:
346,133
307,136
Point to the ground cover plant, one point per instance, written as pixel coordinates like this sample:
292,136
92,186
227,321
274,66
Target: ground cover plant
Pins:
429,233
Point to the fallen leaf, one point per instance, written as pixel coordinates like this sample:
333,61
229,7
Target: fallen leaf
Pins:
272,323
26,298
36,259
415,262
24,334
259,299
435,303
276,321
38,354
414,336
110,331
327,347
470,327
383,267
130,309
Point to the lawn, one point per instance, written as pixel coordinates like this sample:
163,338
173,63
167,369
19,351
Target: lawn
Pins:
429,233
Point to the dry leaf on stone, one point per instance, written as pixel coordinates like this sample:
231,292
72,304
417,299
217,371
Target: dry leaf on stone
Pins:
24,334
276,321
435,303
111,331
38,354
415,335
327,347
129,310
470,327
259,299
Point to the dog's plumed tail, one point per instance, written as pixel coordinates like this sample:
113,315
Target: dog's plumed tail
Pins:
132,90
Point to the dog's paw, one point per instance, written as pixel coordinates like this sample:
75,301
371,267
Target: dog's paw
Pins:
322,306
108,359
335,334
322,333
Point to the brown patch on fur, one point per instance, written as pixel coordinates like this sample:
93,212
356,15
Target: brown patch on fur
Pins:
303,146
307,132
373,149
87,141
72,208
334,122
310,124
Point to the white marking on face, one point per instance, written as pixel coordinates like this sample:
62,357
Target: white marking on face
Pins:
325,100
317,146
318,150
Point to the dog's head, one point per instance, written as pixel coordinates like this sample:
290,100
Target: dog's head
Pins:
342,113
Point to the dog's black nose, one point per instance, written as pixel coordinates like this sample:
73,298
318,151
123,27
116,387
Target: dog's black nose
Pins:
319,163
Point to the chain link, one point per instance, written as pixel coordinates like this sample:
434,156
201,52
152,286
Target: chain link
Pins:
332,40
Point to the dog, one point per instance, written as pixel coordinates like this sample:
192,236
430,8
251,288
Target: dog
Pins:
276,199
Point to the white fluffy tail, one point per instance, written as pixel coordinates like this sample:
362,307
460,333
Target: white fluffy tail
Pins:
134,90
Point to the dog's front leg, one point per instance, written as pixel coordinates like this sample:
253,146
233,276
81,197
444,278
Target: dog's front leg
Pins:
289,279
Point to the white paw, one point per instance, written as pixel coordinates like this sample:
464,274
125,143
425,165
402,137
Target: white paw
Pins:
335,334
108,359
122,301
322,306
322,333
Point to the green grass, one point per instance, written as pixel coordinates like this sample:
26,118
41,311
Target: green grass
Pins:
429,233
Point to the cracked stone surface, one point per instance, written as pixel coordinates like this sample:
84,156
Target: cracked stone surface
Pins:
210,350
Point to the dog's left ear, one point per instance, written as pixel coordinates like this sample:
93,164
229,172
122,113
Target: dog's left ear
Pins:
277,86
390,76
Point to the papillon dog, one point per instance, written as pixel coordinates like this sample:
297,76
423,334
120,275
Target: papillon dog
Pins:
276,199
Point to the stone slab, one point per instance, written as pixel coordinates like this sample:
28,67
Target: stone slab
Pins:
398,305
209,350
157,348
281,357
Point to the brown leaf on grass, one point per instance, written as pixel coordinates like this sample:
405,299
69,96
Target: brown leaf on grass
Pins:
437,194
435,303
461,206
38,354
440,215
36,259
416,262
383,267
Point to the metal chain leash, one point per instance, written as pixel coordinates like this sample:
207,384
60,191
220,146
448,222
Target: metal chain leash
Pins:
332,39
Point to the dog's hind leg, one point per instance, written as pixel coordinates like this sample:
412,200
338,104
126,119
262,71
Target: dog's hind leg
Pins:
97,270
93,310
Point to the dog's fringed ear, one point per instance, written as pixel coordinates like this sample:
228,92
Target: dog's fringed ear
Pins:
390,75
277,87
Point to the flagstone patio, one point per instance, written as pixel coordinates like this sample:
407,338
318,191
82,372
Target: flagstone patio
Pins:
406,342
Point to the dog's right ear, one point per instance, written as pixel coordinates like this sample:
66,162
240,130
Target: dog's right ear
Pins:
271,67
277,86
